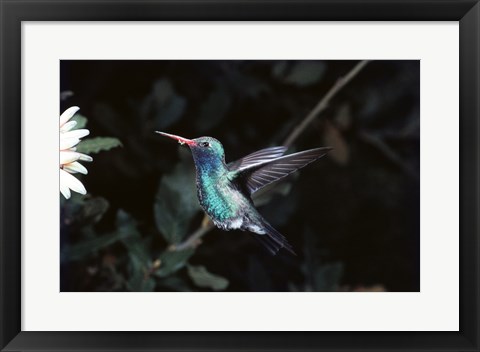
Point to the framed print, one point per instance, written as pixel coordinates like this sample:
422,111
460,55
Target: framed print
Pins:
239,175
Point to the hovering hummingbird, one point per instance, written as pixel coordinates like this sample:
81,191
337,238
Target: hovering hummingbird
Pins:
225,190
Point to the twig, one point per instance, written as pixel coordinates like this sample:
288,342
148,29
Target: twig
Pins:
323,104
388,152
194,239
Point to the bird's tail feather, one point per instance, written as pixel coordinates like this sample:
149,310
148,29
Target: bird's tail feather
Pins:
273,240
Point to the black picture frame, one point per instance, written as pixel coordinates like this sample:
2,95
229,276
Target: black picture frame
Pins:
13,12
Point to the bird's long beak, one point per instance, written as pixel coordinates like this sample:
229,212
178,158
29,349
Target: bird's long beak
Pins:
180,140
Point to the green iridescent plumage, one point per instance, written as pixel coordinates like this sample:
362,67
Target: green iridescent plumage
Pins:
225,190
216,193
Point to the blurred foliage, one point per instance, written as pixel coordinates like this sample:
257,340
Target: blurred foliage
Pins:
352,217
92,145
202,278
98,144
176,201
80,119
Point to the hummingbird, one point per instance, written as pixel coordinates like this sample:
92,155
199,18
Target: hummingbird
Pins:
225,190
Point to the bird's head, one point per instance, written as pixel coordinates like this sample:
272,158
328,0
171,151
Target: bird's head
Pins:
205,150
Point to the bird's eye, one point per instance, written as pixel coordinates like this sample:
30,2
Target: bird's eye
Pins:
205,144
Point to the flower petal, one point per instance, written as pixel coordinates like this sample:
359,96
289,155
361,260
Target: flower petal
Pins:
71,182
64,188
68,114
65,191
67,143
75,167
68,126
84,157
76,133
67,156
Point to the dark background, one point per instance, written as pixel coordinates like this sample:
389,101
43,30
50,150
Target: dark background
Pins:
352,217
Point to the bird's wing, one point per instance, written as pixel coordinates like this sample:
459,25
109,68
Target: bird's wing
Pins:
258,157
258,176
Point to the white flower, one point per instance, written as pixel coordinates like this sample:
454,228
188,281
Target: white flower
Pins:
69,157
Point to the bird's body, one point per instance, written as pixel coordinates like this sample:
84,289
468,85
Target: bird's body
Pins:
228,208
224,190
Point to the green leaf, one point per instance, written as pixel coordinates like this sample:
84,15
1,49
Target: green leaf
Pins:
84,209
139,276
175,283
137,250
81,121
203,278
80,250
213,109
126,227
306,73
163,104
125,222
98,144
94,208
176,201
139,280
166,104
172,261
139,257
148,285
327,277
